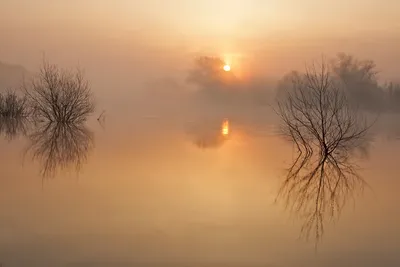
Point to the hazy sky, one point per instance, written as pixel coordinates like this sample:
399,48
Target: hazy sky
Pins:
158,193
234,17
279,32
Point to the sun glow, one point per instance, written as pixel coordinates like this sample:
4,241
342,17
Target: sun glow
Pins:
227,67
225,128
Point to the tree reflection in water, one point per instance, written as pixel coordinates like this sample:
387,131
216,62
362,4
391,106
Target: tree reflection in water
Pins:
317,188
60,145
211,135
210,141
326,132
11,128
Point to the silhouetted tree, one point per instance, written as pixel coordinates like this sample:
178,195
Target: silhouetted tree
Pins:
359,78
392,96
12,105
57,95
286,83
13,115
317,118
208,71
213,83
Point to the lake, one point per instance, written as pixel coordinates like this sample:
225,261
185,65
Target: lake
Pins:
176,189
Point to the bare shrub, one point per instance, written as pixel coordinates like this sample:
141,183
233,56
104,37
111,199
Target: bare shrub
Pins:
58,95
12,105
13,115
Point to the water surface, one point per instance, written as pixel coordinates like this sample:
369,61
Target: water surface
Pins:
176,190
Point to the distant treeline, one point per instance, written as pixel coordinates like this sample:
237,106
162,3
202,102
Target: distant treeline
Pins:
359,79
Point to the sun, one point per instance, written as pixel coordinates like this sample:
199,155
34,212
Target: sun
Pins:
227,67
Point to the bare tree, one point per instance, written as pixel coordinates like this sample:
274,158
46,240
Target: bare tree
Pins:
360,81
60,146
213,83
57,95
13,115
325,131
12,105
208,71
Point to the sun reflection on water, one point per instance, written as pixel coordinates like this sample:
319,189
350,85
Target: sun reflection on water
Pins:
225,128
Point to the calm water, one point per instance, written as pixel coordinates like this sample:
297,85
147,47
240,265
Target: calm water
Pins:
177,190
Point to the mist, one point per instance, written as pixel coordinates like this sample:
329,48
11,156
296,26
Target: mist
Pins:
181,161
131,74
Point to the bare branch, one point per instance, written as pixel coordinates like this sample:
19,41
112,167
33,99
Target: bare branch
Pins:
57,95
13,115
317,118
59,146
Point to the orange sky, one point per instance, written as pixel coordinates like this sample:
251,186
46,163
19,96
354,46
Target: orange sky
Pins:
208,17
277,35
